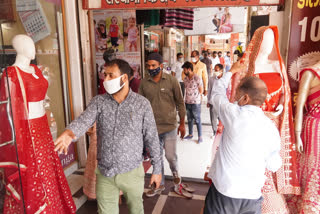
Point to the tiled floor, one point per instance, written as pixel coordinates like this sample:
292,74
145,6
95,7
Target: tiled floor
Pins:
166,203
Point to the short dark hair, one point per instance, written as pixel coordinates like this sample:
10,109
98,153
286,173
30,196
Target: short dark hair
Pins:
219,52
214,52
187,65
220,66
123,66
196,52
228,52
255,88
179,54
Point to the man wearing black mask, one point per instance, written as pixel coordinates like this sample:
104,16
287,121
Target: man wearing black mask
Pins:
164,93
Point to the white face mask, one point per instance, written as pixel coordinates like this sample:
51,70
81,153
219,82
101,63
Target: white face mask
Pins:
217,74
113,86
193,59
237,102
180,60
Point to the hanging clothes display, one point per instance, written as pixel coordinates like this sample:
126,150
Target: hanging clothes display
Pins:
179,18
43,183
285,180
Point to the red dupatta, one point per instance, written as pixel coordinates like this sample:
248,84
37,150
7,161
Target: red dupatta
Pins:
286,177
17,155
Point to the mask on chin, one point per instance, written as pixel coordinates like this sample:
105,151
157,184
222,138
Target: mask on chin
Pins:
113,86
154,72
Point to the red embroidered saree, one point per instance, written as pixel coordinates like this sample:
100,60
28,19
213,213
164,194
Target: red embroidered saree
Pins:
43,186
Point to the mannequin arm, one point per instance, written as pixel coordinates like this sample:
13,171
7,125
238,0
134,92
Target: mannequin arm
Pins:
304,88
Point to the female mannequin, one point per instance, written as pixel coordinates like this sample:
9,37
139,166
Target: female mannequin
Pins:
44,186
263,60
308,139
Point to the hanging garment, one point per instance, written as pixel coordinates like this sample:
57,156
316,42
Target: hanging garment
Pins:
179,18
309,159
40,182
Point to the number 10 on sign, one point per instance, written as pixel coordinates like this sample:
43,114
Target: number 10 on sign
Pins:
315,29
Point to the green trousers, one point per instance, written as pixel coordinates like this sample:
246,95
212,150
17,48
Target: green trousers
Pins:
108,190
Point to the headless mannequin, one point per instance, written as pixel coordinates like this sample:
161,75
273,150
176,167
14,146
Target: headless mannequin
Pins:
308,81
264,65
25,49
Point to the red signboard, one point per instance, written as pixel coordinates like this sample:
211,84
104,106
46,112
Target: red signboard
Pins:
152,4
304,47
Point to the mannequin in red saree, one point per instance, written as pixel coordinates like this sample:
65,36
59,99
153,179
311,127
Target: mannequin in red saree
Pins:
43,188
307,129
263,60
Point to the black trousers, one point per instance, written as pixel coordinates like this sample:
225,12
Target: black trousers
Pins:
216,203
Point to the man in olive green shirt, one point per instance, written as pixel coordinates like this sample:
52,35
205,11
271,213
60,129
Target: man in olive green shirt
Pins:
164,93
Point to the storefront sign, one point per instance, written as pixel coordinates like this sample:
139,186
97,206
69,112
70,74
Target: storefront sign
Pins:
138,4
304,47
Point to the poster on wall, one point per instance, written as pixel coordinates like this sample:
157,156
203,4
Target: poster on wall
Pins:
218,20
304,46
116,31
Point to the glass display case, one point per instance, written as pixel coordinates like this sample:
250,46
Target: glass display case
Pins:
43,22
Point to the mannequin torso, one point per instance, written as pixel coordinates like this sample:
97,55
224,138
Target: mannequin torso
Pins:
25,53
270,72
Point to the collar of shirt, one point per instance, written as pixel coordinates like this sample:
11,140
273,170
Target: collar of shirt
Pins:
127,99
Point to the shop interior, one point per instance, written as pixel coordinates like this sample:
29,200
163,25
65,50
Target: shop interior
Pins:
150,36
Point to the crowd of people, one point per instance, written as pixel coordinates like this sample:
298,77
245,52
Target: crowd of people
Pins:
136,116
255,164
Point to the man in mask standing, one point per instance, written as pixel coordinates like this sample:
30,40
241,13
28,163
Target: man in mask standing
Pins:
164,93
200,69
125,123
177,71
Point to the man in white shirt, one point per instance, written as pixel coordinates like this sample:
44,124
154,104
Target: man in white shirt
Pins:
177,71
227,61
250,143
215,59
217,74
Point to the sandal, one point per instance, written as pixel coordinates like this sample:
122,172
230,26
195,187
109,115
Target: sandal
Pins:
181,191
187,187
